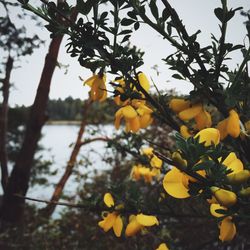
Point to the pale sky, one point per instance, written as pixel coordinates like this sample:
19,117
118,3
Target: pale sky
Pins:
196,14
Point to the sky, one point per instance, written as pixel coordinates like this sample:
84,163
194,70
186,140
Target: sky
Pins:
196,14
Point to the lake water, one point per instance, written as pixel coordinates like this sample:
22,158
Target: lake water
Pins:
57,140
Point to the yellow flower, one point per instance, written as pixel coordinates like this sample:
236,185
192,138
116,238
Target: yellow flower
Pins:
190,113
108,200
227,229
230,126
155,162
138,222
98,90
135,117
174,184
162,246
131,118
111,220
139,171
178,105
238,174
209,136
239,177
143,80
187,111
147,151
203,120
185,132
224,197
214,207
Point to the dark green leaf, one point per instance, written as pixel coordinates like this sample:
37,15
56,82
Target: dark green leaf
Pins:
127,22
136,25
177,76
154,9
219,13
125,38
124,32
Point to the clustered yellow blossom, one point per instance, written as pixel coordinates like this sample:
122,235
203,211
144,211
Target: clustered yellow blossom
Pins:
176,183
97,83
138,222
226,226
114,220
187,111
111,220
136,113
139,171
230,126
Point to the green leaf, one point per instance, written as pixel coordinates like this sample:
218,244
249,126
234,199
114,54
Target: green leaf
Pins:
165,15
136,25
124,32
127,22
177,76
104,15
219,13
154,9
125,38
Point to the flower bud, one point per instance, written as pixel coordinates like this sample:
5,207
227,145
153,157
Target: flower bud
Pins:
178,105
245,192
224,197
239,177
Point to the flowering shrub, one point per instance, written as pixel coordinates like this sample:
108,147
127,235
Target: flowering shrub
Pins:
210,159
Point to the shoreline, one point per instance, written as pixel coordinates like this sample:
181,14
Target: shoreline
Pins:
63,122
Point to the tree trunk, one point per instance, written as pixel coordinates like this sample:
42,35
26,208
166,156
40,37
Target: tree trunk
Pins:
12,206
4,123
47,212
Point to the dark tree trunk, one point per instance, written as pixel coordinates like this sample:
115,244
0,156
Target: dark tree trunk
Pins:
4,123
12,206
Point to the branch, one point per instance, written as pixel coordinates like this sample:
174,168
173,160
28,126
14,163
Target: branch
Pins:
96,208
4,124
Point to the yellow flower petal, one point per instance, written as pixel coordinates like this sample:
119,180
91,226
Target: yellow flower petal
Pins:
118,225
238,177
118,117
133,124
129,112
108,200
147,151
231,157
173,185
233,124
209,136
90,80
236,166
190,113
178,105
156,162
145,120
224,197
147,220
162,246
227,230
214,207
184,132
107,223
222,127
133,227
143,80
203,120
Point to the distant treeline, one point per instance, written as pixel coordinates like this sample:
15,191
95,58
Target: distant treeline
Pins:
70,109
